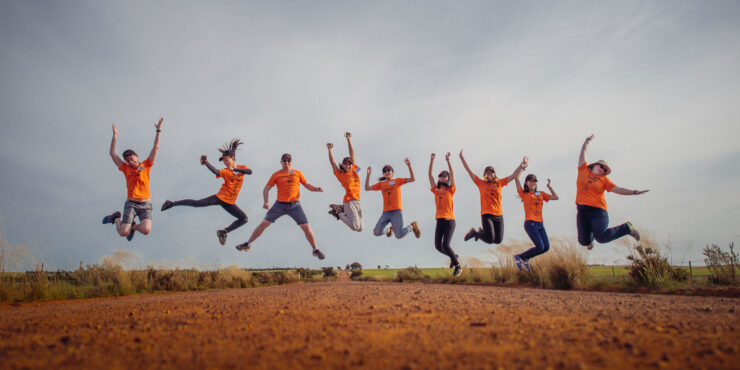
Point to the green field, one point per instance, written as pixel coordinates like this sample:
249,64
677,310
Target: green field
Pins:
598,271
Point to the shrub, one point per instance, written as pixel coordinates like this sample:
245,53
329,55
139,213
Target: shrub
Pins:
356,269
722,265
411,273
648,267
329,272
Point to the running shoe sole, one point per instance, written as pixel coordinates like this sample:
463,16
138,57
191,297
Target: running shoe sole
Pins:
318,254
243,247
221,236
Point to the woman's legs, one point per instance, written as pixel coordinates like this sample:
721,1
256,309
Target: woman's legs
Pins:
205,202
352,215
397,223
583,223
234,210
446,242
439,233
536,232
493,229
596,221
384,220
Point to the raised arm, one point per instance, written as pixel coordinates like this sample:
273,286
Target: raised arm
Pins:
204,161
331,157
155,148
553,196
351,149
518,184
411,171
623,191
449,166
431,166
518,171
367,179
116,159
584,148
467,168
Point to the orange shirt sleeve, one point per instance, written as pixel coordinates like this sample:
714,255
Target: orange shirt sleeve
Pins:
521,193
545,196
271,181
377,186
503,182
301,178
608,184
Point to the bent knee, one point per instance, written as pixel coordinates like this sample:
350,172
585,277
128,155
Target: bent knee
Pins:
145,231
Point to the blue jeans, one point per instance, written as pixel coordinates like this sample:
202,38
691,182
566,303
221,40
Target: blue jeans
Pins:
592,224
395,218
536,232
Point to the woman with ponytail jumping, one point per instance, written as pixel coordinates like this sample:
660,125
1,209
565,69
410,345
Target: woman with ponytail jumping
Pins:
391,190
233,176
444,190
533,225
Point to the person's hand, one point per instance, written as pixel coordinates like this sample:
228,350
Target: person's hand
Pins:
203,159
525,163
638,192
433,155
159,125
115,130
266,206
369,170
319,189
329,145
407,161
590,138
447,156
548,183
347,135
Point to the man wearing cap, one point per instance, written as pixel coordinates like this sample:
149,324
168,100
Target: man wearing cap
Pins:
287,180
138,202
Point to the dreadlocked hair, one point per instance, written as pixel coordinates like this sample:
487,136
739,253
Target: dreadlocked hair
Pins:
229,149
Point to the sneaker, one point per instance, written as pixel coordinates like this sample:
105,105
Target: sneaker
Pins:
519,262
166,205
243,247
415,229
333,211
458,271
471,234
222,236
633,232
526,264
590,246
111,218
389,232
131,234
318,254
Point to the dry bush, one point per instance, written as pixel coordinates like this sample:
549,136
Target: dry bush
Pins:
722,265
411,273
564,266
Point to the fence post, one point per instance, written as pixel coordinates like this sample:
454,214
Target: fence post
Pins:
612,270
691,272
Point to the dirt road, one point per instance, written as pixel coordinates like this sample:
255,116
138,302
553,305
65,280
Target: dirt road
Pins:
375,325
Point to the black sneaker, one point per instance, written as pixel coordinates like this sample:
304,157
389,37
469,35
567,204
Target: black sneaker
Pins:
221,236
333,212
470,235
111,218
131,234
318,254
243,247
458,271
166,205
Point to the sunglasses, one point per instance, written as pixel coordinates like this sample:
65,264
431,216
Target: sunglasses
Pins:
533,180
286,160
385,170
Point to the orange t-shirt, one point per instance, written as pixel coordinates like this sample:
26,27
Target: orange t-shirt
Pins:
490,195
288,184
590,191
351,183
232,184
533,204
443,201
137,180
391,193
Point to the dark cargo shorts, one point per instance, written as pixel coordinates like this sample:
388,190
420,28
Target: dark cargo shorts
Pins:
132,209
292,209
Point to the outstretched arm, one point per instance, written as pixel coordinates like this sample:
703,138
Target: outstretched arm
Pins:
431,165
153,153
552,191
518,171
116,159
467,168
312,188
351,149
367,179
411,171
623,191
331,157
204,161
449,166
584,148
246,171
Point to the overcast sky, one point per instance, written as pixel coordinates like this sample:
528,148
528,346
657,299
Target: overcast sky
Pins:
657,82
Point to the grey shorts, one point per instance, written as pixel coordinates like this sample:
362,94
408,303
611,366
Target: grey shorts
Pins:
132,209
292,209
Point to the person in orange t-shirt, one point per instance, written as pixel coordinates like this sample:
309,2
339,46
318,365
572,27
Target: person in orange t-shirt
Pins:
138,201
592,219
348,175
233,176
533,225
492,219
288,181
391,189
444,190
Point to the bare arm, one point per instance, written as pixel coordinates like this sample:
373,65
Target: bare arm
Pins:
431,166
155,148
518,184
204,161
467,168
331,157
411,171
266,194
351,148
552,191
311,187
449,166
623,191
518,171
584,148
116,159
367,179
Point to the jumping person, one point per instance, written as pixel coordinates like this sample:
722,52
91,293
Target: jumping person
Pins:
592,219
444,190
233,176
489,187
348,175
287,180
533,224
138,202
391,189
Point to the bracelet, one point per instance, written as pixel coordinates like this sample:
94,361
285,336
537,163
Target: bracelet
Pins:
635,192
159,130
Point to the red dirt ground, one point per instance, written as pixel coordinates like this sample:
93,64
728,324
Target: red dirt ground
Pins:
375,325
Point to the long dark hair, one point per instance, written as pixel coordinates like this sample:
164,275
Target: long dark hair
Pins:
526,188
229,148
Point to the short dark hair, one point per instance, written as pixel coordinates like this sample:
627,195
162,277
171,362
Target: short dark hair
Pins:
128,152
286,157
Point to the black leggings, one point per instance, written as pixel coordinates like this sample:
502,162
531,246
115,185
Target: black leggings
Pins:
442,236
233,209
493,229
